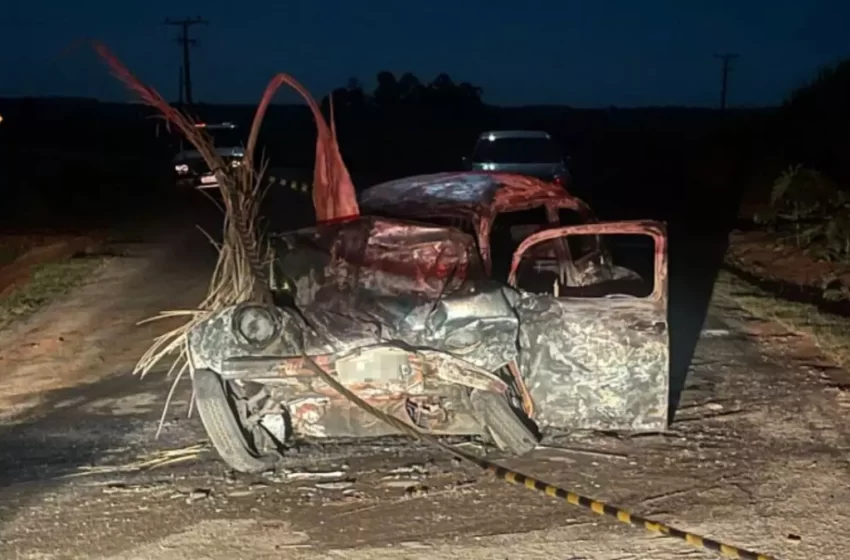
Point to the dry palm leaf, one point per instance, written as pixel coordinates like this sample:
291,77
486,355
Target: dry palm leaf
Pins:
239,274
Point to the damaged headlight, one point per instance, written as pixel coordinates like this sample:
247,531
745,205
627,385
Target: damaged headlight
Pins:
463,341
258,325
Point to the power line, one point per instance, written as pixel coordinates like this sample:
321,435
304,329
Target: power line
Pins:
727,59
183,39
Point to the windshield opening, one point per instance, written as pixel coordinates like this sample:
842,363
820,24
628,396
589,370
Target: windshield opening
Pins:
516,150
508,231
512,228
629,274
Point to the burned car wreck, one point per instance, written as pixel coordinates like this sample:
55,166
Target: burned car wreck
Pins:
407,315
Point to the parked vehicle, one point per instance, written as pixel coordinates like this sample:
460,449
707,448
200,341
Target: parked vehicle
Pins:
189,168
525,152
407,315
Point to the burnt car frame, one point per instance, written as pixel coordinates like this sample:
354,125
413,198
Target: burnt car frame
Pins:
475,201
406,315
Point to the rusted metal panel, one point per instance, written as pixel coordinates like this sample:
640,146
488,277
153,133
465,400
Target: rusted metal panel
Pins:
597,363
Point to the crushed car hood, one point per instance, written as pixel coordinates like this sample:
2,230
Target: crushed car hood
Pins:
360,300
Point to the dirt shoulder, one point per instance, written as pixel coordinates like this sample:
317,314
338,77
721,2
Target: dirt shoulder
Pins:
35,270
806,295
90,332
789,270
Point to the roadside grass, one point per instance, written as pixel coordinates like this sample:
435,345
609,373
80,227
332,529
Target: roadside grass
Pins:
9,251
48,282
829,331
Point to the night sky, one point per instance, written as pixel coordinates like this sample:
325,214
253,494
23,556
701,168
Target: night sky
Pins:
580,53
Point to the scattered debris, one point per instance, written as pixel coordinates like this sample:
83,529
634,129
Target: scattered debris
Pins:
353,494
416,491
415,545
702,417
400,482
716,333
417,468
119,487
335,484
290,475
199,494
585,451
156,460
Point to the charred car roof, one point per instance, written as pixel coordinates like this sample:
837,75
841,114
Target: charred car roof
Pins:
471,193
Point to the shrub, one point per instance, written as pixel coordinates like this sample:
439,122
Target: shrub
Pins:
817,213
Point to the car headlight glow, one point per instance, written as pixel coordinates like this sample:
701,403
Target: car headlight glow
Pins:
258,325
236,163
181,168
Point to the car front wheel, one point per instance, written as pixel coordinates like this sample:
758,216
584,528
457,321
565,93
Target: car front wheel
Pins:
502,422
219,413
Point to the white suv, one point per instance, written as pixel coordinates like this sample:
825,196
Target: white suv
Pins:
525,152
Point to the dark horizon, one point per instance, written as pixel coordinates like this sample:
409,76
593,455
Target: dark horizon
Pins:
296,104
657,53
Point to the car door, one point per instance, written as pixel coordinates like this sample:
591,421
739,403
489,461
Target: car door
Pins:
596,357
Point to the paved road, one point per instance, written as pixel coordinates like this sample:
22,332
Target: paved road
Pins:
757,454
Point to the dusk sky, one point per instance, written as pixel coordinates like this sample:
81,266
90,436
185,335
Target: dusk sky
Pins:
579,53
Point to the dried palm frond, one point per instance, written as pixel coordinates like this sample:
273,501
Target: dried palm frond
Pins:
240,273
334,196
157,459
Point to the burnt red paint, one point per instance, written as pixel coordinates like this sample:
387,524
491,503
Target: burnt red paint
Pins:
474,196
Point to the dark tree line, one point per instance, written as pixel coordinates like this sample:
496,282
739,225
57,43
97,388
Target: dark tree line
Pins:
405,125
407,91
816,120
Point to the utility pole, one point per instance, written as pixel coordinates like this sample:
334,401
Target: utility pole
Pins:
727,59
185,24
180,85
